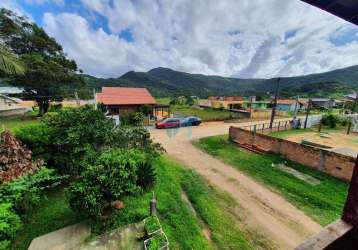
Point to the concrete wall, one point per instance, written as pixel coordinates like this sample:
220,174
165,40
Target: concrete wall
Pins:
334,164
265,113
12,112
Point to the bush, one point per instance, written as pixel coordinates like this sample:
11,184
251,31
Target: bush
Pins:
333,120
146,174
25,192
73,133
111,177
10,223
132,119
135,138
37,138
330,120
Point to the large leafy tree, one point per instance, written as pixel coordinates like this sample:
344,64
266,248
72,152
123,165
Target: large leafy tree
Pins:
49,74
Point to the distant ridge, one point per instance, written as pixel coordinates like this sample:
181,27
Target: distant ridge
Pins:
168,82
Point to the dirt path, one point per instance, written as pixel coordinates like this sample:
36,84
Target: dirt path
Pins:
266,211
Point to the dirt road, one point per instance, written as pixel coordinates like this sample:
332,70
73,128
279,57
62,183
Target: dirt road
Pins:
265,211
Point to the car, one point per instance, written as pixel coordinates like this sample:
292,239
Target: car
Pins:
168,123
190,121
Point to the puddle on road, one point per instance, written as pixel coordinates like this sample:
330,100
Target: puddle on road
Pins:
186,131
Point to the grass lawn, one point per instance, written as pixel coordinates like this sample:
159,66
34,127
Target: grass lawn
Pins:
286,133
324,129
183,227
206,114
14,123
323,202
53,213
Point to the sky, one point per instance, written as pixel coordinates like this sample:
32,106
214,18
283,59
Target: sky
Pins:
237,38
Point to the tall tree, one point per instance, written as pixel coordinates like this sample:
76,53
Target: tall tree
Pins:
49,75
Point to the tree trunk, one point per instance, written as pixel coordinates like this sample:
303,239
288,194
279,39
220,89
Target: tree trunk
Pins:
43,106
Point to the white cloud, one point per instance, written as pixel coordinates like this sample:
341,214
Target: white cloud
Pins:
243,38
14,6
58,2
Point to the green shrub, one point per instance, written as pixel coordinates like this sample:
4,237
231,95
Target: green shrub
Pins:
137,138
111,177
25,193
132,119
10,223
330,120
146,174
37,138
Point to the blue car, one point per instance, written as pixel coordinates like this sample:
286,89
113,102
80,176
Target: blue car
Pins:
190,121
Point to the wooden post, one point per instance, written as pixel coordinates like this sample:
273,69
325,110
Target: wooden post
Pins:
349,127
319,127
307,112
153,206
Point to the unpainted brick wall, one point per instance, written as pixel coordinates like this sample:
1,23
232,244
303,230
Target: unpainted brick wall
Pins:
334,164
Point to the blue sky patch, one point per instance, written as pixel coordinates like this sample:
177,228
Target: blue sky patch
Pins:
344,36
126,35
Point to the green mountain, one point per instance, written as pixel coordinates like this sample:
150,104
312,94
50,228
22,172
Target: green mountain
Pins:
168,82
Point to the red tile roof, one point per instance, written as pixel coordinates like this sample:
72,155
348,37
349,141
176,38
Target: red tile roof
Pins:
124,96
286,101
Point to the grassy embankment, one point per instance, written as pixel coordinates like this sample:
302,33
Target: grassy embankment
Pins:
183,226
323,202
13,123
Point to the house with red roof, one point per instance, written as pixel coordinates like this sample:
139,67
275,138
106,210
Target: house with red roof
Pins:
120,100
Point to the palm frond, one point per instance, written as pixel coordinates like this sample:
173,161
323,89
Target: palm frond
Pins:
9,63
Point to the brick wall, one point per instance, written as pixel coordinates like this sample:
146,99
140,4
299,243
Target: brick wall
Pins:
335,164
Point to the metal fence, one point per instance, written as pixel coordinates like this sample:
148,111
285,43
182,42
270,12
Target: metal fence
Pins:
265,127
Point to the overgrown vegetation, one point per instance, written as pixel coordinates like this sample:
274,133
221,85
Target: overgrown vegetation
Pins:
323,202
51,213
110,177
333,120
183,228
14,123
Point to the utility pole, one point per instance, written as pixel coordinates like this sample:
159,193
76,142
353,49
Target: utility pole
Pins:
296,106
94,98
275,103
77,100
308,112
355,103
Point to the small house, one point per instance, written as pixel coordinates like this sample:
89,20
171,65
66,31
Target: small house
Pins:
225,102
257,105
325,103
10,106
120,100
290,105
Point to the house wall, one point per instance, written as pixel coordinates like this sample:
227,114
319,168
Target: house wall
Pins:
286,107
123,109
334,164
7,104
12,112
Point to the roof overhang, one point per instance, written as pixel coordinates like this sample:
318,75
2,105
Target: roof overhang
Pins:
346,9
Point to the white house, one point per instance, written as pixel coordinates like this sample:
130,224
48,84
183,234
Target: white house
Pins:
10,106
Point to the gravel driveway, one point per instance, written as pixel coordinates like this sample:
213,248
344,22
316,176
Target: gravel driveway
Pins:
265,211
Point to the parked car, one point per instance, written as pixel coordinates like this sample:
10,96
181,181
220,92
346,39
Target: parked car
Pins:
168,123
190,121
